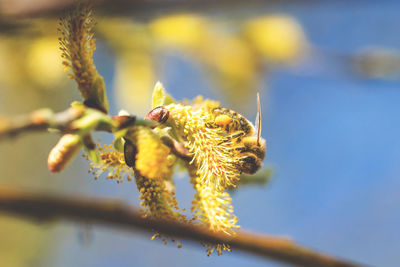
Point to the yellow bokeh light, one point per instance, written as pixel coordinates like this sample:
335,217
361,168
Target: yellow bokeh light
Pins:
277,38
182,30
44,62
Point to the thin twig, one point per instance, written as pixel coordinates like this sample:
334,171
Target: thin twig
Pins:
45,207
44,119
38,120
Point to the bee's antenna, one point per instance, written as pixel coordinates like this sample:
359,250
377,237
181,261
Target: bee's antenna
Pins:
258,120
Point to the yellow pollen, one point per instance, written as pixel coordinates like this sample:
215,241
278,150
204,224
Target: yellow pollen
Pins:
222,120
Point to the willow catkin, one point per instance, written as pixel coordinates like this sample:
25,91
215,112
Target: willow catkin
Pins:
63,152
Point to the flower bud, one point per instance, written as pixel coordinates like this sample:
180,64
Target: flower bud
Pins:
63,152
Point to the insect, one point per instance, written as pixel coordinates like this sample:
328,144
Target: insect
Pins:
241,135
159,114
241,138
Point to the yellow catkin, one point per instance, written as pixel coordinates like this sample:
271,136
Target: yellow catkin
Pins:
63,152
77,46
113,163
152,168
152,156
214,161
213,168
214,209
157,201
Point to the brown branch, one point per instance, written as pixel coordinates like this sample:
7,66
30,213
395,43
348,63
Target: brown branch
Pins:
117,214
39,120
44,119
23,8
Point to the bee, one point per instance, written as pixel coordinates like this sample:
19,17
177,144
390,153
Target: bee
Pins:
242,136
239,135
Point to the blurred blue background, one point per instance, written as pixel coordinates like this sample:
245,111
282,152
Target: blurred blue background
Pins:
332,140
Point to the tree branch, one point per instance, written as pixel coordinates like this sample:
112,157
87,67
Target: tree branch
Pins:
65,121
117,214
38,120
23,8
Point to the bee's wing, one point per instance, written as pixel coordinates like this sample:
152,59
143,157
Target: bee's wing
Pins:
258,119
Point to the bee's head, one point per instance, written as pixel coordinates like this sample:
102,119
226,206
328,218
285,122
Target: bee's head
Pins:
255,145
250,164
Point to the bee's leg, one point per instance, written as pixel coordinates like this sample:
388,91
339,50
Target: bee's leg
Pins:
211,125
232,136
